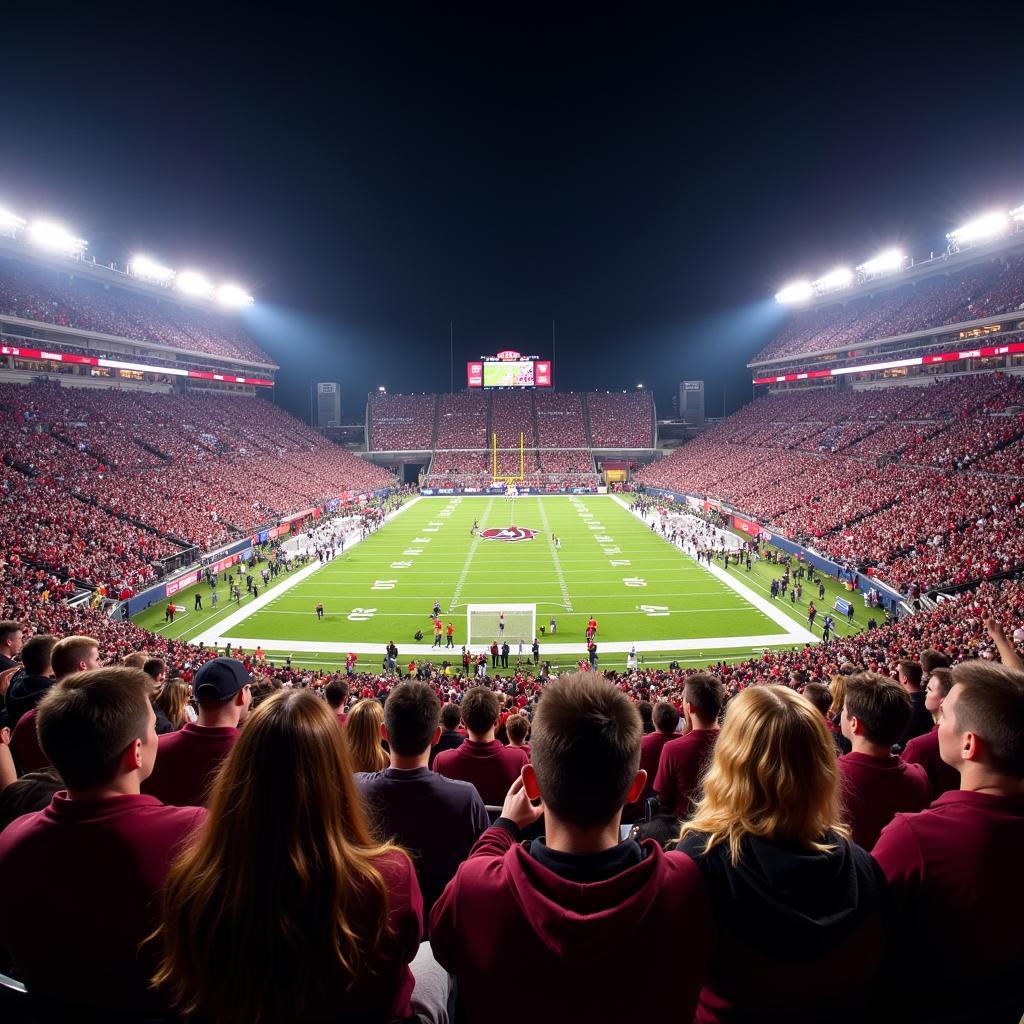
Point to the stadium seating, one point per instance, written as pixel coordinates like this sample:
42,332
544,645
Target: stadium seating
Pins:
402,422
52,297
623,420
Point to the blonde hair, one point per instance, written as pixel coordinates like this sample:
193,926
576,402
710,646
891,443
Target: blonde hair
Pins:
283,878
773,775
838,688
362,733
171,700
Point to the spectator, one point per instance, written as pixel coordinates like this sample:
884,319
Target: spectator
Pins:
875,784
517,728
481,759
336,692
921,721
436,819
286,875
451,737
821,697
953,868
75,935
363,734
684,760
796,903
12,637
924,749
31,685
156,669
189,758
570,904
665,719
172,701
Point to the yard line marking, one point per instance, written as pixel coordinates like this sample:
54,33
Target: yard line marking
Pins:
559,575
469,558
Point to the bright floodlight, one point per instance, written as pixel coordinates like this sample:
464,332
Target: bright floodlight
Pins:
883,263
838,278
191,282
1017,214
48,235
799,291
149,270
233,295
10,221
986,226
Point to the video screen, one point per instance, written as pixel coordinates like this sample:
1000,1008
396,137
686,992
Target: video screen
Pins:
509,375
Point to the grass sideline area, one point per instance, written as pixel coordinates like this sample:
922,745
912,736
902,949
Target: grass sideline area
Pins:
609,564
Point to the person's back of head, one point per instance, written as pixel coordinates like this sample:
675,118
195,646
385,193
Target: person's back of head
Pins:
518,727
336,693
480,710
451,716
773,775
94,725
171,700
981,725
75,654
155,668
362,733
931,660
877,709
36,654
283,807
910,674
411,716
646,714
705,694
585,750
665,716
137,659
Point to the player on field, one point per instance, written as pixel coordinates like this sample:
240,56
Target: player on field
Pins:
319,609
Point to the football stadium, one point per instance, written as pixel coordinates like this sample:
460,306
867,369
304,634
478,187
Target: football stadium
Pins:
327,699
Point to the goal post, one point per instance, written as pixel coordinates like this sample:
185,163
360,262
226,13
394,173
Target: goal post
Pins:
495,450
483,623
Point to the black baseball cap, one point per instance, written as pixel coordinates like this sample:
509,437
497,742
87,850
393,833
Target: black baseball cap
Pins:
219,679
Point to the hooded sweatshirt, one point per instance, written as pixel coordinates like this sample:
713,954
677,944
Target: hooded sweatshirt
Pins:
801,933
579,942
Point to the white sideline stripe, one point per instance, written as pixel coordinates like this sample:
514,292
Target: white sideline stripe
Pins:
214,636
559,575
469,558
780,618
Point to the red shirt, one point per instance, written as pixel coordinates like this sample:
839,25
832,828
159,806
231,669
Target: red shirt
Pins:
86,877
681,770
876,788
186,762
924,750
954,871
491,767
25,744
650,757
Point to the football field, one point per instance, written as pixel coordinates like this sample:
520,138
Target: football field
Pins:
607,563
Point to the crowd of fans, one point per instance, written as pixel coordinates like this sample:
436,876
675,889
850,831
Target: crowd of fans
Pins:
402,422
55,297
623,420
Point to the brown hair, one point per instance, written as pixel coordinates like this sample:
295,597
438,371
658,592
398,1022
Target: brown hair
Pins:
411,714
171,701
336,693
945,678
36,654
283,808
773,775
88,719
911,671
665,716
67,653
706,693
517,727
819,695
480,709
154,667
137,659
881,705
991,705
362,733
585,748
932,659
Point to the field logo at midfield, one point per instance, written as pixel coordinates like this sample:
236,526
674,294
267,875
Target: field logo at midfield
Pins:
509,533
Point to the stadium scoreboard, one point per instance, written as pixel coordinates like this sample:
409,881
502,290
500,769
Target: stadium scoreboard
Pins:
509,369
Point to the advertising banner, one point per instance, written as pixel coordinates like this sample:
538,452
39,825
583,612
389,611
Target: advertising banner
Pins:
173,586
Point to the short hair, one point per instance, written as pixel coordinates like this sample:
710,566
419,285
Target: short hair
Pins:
945,678
479,709
912,671
819,695
517,727
8,628
881,705
665,716
154,667
411,714
137,659
585,748
646,712
706,693
932,659
36,654
87,720
336,693
67,653
451,716
991,704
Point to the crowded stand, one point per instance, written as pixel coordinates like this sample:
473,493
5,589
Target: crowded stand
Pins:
52,296
402,422
973,293
623,420
512,415
560,420
462,421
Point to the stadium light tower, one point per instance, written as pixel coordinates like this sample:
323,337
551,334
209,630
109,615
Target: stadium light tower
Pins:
797,292
884,263
234,295
978,230
48,235
146,269
191,282
1017,213
834,280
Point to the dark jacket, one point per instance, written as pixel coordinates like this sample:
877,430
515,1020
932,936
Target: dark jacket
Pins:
24,693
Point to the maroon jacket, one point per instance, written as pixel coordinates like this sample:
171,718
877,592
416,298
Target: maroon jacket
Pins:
504,910
681,770
954,870
83,883
924,750
491,767
25,744
186,762
876,788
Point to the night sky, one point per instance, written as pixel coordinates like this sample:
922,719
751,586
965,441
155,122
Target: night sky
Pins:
645,179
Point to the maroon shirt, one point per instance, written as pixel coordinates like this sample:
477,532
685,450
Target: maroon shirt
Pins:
491,767
681,770
954,871
504,907
25,744
876,788
186,762
84,878
650,755
924,750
